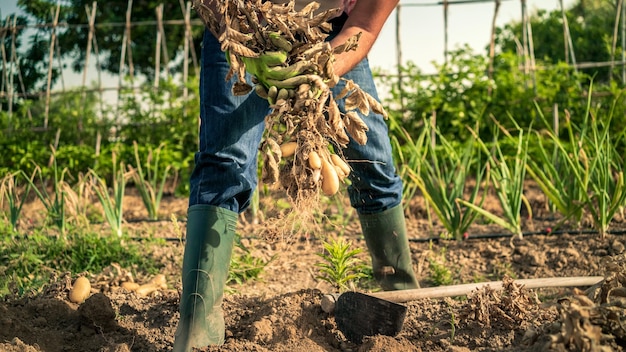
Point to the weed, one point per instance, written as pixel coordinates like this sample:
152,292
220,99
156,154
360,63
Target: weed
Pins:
177,230
341,266
244,266
440,275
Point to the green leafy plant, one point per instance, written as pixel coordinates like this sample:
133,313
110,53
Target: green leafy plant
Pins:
112,205
507,176
15,198
244,266
443,180
28,262
341,266
151,182
440,274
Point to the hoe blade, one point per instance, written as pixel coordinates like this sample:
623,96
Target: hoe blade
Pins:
358,315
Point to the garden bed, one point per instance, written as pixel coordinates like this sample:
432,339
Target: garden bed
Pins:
280,311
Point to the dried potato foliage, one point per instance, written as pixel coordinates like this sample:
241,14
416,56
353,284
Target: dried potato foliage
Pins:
510,306
595,322
303,109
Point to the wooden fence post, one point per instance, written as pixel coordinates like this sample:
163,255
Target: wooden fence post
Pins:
186,55
91,17
614,43
166,58
125,47
492,45
399,58
157,48
445,31
6,85
50,62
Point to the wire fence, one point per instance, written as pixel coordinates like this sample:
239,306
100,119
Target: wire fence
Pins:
13,87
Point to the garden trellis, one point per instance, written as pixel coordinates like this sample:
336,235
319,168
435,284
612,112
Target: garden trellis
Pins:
11,66
12,90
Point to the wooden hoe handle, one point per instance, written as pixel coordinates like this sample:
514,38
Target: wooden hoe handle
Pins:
401,296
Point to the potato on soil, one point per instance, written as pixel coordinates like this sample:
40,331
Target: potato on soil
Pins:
80,290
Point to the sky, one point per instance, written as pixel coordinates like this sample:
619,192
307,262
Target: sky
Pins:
421,30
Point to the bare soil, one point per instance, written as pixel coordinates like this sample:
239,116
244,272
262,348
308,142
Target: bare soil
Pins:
281,310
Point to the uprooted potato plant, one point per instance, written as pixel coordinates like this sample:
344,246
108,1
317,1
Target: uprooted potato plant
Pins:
591,322
305,130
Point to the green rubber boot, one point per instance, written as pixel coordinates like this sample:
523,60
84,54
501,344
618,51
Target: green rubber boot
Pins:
385,236
208,247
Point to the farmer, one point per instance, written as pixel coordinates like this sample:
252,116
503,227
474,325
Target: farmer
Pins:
225,176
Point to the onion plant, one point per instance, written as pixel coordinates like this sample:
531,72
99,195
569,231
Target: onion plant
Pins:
443,176
10,192
553,171
55,205
150,182
588,175
603,171
112,205
507,176
78,198
409,155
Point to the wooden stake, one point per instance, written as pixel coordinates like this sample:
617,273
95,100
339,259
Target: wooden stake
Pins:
525,43
96,53
555,119
125,46
15,64
192,47
445,31
157,55
5,70
623,44
399,57
50,61
531,50
614,43
568,37
92,18
166,59
129,47
186,55
433,129
492,45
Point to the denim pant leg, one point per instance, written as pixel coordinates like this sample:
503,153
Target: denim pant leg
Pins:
231,128
375,184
